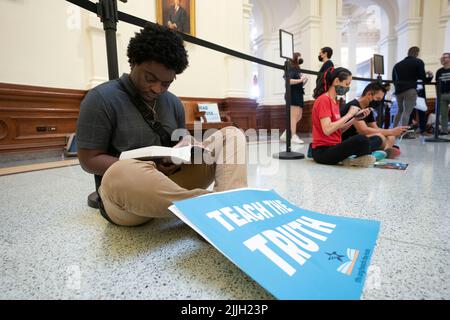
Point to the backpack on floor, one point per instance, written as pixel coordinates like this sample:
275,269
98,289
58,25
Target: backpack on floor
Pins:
70,150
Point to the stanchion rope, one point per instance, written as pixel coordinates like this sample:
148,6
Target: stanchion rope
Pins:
93,7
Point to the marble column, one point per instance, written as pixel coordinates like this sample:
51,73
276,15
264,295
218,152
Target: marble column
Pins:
310,33
98,64
388,48
311,37
443,41
409,30
238,70
270,79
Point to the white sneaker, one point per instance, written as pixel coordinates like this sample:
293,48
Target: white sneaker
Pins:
283,136
296,139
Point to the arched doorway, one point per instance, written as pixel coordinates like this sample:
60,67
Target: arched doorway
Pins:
268,16
369,27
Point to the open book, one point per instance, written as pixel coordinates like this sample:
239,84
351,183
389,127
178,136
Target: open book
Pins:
180,154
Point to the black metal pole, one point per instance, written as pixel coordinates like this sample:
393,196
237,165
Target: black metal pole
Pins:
437,113
288,155
107,11
438,109
287,84
381,105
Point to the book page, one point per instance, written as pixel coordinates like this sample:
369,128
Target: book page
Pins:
157,152
177,155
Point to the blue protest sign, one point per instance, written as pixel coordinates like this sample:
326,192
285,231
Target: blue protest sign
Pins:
293,253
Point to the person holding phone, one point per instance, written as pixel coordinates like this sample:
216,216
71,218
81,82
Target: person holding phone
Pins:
379,139
328,125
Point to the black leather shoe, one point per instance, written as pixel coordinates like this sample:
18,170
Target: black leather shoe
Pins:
93,200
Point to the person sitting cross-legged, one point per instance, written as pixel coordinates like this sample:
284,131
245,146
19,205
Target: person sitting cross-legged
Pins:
138,111
327,146
380,139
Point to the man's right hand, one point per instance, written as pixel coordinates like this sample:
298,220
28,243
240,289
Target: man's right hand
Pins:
362,114
166,166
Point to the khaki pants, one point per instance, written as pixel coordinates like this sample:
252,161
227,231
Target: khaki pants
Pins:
135,191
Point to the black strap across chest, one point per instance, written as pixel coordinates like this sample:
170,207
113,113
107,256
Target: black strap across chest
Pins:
149,117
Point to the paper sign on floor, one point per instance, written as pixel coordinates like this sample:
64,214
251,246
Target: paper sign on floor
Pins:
293,253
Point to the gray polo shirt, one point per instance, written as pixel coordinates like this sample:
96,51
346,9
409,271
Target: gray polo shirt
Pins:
109,121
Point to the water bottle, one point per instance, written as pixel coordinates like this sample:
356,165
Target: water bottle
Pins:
422,139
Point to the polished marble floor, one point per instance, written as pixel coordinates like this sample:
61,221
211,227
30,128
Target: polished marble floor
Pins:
53,246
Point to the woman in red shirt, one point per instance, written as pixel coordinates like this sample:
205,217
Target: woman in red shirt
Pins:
328,125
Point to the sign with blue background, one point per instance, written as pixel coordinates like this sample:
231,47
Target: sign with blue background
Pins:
293,253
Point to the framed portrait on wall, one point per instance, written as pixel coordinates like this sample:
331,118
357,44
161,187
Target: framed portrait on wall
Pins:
177,14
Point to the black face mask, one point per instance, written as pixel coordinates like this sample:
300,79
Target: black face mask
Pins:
300,61
341,91
320,59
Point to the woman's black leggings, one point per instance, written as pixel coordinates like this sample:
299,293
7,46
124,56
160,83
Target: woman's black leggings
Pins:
358,145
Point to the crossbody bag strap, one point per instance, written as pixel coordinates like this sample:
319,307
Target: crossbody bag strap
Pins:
149,117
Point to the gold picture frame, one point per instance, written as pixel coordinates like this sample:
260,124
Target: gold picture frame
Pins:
185,15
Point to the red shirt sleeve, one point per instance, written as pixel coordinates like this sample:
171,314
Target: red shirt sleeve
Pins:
324,109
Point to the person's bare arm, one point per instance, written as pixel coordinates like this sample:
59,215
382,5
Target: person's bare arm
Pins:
95,161
329,127
348,125
358,117
295,81
372,128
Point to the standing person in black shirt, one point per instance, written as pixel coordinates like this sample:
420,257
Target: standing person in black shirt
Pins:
441,74
405,75
324,56
379,139
297,80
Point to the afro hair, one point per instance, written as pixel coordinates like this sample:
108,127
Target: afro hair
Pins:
159,44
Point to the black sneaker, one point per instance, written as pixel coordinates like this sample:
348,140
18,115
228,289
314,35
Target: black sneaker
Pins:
309,155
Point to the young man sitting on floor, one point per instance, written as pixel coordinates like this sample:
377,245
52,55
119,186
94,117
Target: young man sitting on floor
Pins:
368,126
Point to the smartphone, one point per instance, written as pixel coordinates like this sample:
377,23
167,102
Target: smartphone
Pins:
359,115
